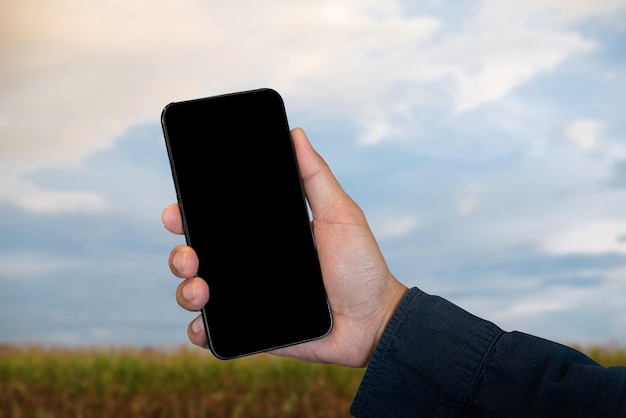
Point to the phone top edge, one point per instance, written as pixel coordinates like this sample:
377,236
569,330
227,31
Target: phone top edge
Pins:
218,96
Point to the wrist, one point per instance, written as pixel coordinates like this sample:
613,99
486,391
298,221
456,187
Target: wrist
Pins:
393,297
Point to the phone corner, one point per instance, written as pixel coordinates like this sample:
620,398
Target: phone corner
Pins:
272,92
164,112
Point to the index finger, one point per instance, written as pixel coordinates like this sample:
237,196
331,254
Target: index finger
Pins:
172,220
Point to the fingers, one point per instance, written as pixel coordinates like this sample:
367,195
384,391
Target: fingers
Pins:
172,219
197,334
183,261
192,294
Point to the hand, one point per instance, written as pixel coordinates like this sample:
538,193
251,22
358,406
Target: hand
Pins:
362,292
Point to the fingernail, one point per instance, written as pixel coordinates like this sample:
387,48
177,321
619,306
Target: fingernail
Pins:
197,326
179,260
189,292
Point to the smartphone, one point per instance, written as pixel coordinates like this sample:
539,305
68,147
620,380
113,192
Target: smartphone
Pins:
245,214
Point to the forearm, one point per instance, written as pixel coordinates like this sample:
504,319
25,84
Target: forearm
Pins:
435,359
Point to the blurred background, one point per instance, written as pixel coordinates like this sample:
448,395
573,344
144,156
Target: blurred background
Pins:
485,141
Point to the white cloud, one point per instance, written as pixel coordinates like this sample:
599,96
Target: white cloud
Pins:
535,307
375,130
554,310
32,198
379,125
585,133
596,237
394,227
491,62
557,13
468,200
60,201
29,266
510,42
75,75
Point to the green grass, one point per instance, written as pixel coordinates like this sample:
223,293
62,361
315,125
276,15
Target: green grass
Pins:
607,355
180,383
186,382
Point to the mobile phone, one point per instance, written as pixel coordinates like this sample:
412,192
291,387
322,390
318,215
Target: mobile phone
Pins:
245,214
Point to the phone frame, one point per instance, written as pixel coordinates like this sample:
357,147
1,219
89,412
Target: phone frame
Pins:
265,109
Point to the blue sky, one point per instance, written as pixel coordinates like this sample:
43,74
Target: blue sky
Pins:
485,142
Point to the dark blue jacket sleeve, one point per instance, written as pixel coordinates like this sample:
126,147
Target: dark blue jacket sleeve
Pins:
437,360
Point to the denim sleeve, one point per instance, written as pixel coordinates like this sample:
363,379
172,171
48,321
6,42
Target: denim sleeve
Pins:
437,360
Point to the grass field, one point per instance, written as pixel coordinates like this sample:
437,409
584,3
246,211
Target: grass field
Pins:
37,382
185,382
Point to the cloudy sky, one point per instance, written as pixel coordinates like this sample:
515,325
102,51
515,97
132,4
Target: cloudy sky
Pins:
485,140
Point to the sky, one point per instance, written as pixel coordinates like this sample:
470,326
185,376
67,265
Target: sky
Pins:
485,141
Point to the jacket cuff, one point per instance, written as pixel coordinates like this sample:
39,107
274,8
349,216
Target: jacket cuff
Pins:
426,360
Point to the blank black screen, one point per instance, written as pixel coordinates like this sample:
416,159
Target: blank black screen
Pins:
245,215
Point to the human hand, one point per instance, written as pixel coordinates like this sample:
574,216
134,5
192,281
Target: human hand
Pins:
362,292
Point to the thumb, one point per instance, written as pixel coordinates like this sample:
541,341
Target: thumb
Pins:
327,199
